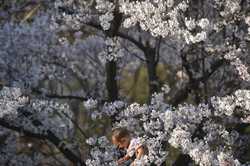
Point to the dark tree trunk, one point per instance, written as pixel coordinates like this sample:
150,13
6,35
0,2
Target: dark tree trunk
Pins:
111,68
111,82
152,61
182,160
151,69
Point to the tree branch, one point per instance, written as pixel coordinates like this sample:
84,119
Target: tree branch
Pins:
120,34
50,137
183,93
56,96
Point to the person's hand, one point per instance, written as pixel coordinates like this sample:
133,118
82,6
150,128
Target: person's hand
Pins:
120,161
132,164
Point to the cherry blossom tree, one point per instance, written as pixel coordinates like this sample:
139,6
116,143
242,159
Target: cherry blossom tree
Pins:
62,55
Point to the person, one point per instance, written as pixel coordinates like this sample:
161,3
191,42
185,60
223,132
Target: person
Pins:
134,148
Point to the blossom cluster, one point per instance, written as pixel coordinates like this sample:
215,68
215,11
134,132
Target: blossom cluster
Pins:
37,52
192,129
10,100
70,14
230,7
102,152
234,55
32,115
247,20
31,52
22,110
107,8
114,50
152,16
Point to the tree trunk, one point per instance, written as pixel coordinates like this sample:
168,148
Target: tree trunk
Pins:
182,160
153,81
111,82
111,68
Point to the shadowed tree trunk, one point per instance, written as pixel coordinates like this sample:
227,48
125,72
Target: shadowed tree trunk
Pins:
151,69
152,58
182,160
111,83
111,68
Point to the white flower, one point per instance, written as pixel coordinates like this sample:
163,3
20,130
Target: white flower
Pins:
105,20
199,37
183,6
91,141
170,3
114,50
203,23
180,138
128,22
165,88
190,23
103,141
169,120
233,6
90,103
247,20
225,159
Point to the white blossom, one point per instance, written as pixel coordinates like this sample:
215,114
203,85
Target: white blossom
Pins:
203,23
190,23
114,50
107,8
90,104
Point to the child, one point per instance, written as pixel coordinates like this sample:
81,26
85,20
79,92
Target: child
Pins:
122,139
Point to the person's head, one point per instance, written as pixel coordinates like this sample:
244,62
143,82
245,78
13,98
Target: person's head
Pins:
121,137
